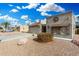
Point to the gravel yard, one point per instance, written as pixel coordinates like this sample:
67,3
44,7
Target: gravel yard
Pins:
33,48
57,47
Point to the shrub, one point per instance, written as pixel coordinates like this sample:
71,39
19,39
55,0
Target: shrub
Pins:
44,37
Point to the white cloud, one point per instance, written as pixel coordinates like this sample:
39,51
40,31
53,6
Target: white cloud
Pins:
13,21
10,5
14,10
28,22
43,21
45,14
7,17
37,20
23,7
50,7
30,6
18,7
27,19
24,17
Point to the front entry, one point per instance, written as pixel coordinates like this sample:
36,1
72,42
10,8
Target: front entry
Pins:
43,28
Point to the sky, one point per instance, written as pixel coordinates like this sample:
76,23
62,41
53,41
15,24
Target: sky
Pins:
28,13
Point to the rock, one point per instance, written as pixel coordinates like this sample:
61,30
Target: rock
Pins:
22,41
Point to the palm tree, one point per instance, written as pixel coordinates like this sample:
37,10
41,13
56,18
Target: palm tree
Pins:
6,24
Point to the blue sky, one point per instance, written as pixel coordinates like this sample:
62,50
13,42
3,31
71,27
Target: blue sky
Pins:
24,13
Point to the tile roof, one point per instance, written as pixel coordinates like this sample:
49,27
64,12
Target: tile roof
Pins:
35,24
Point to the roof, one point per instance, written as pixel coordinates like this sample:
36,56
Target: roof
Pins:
35,24
59,14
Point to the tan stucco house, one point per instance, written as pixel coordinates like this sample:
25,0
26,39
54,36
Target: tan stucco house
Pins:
61,25
24,28
37,28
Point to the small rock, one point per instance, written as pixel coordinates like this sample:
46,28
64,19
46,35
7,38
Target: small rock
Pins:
22,41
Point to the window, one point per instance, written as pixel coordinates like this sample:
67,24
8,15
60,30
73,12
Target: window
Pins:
55,19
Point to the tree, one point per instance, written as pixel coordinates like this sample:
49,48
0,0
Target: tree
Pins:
6,24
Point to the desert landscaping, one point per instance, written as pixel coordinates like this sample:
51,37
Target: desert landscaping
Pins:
57,47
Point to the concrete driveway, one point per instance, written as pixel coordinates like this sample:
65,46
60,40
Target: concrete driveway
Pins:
17,35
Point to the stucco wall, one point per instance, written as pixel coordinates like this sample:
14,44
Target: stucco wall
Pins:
24,28
36,29
66,19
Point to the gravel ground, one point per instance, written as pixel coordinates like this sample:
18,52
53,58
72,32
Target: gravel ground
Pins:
57,47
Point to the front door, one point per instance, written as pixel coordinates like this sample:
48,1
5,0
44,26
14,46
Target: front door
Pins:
43,28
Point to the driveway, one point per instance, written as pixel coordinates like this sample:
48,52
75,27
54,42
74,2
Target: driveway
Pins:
17,35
